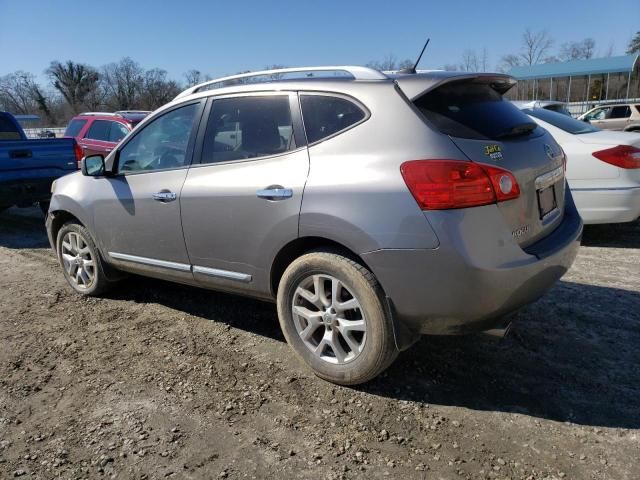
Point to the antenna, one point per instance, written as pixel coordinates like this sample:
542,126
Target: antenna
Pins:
413,69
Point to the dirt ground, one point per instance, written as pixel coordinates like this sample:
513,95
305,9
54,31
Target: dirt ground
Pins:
158,380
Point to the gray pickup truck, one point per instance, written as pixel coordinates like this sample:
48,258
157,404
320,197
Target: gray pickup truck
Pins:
28,167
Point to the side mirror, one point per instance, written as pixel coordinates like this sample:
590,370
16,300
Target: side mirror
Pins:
93,166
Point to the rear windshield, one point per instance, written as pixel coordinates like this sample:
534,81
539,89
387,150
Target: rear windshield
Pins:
8,130
74,127
563,122
473,110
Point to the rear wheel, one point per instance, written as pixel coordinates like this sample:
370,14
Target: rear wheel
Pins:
332,314
80,260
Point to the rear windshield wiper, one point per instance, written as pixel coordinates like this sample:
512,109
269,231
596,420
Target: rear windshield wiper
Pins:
517,130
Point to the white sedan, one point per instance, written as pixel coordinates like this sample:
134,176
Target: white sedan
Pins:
603,167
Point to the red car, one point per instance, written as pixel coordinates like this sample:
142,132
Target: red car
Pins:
99,133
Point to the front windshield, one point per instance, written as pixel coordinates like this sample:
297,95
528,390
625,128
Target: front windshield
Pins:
563,122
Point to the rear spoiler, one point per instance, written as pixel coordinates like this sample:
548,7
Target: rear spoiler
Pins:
416,85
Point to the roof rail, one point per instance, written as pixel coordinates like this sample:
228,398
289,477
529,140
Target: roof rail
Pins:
121,112
358,73
108,114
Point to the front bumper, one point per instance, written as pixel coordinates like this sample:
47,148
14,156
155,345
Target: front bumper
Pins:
477,274
608,205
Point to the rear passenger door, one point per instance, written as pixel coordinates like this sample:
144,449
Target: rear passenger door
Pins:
240,204
617,117
96,140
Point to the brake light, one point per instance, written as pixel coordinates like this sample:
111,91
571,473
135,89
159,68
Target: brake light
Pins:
623,156
77,150
446,184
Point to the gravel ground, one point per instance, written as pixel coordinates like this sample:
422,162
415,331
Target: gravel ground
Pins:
158,380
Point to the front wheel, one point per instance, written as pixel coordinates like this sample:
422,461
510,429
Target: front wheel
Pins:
331,311
80,260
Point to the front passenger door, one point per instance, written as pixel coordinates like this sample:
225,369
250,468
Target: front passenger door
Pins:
137,210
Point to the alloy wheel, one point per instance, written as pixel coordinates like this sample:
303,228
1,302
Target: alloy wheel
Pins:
77,260
329,319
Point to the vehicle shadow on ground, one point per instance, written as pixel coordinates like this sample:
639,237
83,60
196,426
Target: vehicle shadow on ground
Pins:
618,235
22,228
244,313
572,356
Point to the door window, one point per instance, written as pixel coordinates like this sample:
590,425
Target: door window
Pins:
117,132
161,144
248,127
74,127
620,112
99,130
325,115
598,114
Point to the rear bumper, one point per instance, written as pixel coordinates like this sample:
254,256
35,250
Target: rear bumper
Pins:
613,205
475,276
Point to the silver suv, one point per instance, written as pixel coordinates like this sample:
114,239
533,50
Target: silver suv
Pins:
371,208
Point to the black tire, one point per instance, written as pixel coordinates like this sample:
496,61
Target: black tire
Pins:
378,350
99,282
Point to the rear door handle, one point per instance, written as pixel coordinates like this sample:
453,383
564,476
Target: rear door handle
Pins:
164,196
275,192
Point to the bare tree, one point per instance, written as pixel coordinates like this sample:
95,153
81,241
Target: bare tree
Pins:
193,77
123,82
535,46
16,92
390,62
609,51
470,61
74,81
581,50
484,60
509,61
156,89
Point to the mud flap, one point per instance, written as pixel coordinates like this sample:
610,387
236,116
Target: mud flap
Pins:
403,335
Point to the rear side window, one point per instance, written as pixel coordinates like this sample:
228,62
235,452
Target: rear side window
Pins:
75,127
248,127
99,130
473,110
325,116
620,112
8,130
563,122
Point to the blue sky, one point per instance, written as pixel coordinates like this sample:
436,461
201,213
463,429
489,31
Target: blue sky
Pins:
219,38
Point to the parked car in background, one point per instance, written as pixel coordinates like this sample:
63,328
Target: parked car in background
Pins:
603,167
99,132
46,134
28,167
625,116
371,208
552,105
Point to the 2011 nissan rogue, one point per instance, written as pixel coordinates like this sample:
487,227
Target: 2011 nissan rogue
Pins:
371,207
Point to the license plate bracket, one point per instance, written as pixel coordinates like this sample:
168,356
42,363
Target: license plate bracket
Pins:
547,202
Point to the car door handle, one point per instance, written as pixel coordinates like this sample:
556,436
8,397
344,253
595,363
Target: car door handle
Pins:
275,192
164,196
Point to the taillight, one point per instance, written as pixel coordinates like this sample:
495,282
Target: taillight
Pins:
77,149
445,184
623,156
